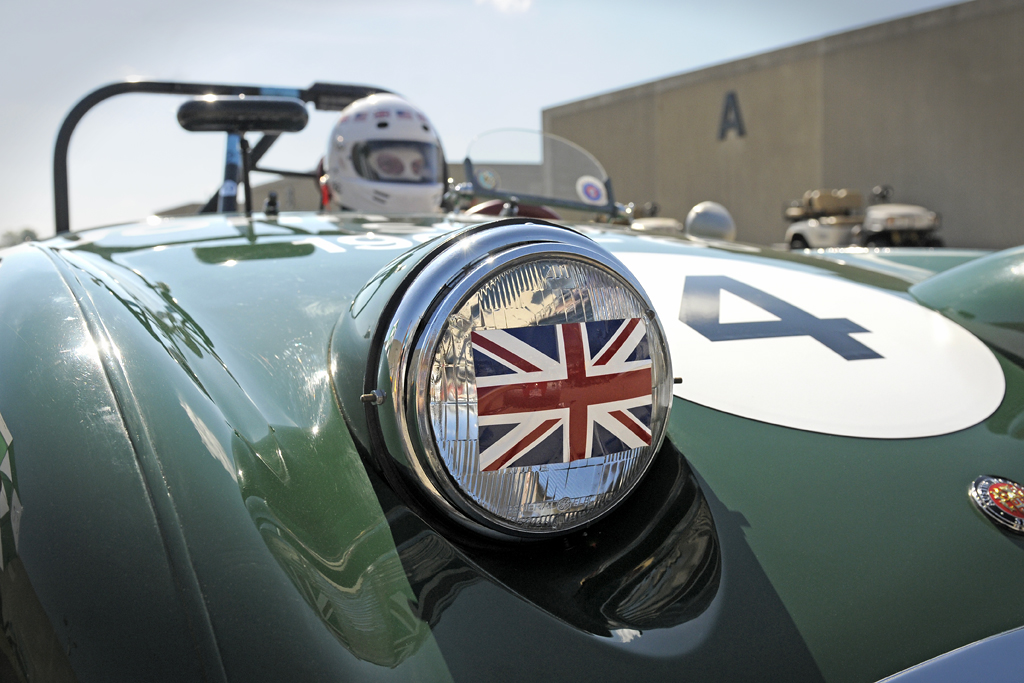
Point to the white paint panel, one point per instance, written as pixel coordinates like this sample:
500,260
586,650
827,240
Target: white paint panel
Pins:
934,377
738,310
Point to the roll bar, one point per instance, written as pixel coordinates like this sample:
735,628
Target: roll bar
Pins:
324,96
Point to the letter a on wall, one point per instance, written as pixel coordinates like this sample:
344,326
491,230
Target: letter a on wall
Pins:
731,118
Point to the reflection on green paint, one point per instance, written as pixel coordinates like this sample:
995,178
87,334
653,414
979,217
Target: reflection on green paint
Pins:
361,596
249,252
325,528
1009,418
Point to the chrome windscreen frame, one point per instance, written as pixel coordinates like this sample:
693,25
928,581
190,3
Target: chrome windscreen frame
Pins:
414,333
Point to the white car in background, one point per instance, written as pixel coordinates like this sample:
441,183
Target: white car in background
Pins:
899,225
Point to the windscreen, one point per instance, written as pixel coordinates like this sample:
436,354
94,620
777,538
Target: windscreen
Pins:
525,163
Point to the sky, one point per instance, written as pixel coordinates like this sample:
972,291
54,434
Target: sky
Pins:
470,65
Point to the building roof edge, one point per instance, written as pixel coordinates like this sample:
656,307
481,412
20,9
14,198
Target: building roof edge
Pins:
836,42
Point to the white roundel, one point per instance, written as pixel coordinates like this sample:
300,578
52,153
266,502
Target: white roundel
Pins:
816,352
591,191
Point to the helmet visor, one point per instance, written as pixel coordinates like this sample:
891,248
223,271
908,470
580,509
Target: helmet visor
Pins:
398,161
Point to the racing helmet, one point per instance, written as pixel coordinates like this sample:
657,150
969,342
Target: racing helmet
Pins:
383,155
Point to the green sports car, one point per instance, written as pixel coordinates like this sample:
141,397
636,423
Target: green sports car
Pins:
347,446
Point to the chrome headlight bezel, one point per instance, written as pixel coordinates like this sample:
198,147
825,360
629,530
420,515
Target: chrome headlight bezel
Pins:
414,333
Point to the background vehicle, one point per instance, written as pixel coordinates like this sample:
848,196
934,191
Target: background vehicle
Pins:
248,447
896,225
824,218
835,218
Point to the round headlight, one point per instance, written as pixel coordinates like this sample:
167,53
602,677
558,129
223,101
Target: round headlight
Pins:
537,388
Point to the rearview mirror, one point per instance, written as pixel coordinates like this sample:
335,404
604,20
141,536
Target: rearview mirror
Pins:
238,115
243,114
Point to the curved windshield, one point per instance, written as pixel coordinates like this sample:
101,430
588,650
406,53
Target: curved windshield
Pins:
534,166
398,161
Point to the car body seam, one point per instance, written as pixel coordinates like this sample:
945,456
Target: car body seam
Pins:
189,590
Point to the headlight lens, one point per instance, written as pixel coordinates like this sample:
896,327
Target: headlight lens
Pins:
536,391
544,392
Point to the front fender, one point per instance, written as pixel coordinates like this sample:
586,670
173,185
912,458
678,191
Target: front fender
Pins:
86,588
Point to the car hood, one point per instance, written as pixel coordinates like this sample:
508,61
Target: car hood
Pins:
807,548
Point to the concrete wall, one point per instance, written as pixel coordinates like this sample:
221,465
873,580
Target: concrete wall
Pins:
293,194
930,104
934,106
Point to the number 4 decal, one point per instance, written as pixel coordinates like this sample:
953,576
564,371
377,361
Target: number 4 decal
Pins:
702,299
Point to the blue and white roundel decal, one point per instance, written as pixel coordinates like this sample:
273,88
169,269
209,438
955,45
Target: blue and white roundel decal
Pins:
591,190
488,179
816,352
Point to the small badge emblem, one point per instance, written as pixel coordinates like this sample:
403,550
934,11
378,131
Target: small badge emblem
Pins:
590,190
1001,500
488,179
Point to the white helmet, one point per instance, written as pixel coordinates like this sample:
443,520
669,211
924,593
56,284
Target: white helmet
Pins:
383,155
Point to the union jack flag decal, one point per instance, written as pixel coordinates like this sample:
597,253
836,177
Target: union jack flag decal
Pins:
557,393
